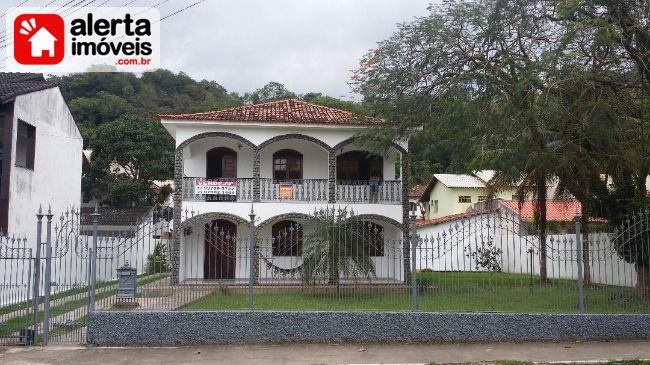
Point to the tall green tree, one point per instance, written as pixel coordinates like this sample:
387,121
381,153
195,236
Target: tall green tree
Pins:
500,52
270,92
129,154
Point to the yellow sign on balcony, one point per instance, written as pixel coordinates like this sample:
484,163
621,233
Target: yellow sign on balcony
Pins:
286,191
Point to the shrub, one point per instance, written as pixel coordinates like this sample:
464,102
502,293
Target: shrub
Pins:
157,261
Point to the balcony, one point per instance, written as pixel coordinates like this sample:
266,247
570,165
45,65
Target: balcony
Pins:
218,190
384,192
303,190
297,190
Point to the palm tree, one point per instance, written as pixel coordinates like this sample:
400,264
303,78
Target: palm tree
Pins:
336,243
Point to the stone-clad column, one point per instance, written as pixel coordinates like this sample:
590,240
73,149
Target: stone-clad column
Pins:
178,206
256,174
331,179
406,246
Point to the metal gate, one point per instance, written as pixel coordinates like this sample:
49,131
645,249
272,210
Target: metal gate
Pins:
45,291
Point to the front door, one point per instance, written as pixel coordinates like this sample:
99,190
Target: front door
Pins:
220,253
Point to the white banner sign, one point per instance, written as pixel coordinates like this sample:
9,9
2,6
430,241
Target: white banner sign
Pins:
215,187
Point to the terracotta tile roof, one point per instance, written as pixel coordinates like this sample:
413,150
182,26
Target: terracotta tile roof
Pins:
290,111
13,84
556,210
417,190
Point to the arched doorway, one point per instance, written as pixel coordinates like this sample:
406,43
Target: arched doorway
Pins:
220,250
357,166
221,163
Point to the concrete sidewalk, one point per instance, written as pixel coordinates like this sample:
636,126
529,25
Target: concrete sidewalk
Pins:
330,354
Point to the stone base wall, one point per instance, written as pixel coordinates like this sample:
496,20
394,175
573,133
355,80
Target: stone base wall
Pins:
185,328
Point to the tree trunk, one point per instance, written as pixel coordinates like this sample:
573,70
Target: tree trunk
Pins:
333,263
586,264
642,281
541,224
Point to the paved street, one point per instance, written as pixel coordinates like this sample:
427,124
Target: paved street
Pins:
330,353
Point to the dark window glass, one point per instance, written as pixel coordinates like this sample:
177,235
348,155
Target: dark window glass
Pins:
358,166
25,145
287,238
287,165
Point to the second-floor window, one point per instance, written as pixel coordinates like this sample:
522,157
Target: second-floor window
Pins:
287,165
464,199
435,206
482,198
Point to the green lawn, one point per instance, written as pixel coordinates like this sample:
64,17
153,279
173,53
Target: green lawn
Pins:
446,291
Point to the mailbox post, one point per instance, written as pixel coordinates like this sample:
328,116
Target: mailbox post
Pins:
126,282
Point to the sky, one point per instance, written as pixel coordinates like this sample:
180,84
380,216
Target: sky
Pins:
308,45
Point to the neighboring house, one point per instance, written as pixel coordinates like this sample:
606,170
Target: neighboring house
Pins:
415,205
284,160
41,157
449,194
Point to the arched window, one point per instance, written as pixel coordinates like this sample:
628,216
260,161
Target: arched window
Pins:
287,238
287,165
358,166
374,233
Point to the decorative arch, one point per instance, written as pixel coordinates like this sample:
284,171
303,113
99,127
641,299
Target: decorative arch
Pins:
303,137
280,217
351,140
379,218
211,216
211,135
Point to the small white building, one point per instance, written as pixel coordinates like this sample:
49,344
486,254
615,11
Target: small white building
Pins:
284,159
40,152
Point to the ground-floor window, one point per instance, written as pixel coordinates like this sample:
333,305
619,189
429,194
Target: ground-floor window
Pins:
287,238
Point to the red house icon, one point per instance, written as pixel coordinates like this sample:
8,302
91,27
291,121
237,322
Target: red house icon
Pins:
39,39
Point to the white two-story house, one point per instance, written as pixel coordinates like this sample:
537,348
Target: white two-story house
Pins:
285,160
40,153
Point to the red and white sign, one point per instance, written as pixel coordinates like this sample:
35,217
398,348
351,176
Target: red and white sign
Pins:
215,187
39,39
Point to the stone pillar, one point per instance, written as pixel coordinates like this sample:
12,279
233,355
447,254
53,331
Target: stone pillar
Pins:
178,206
331,179
256,174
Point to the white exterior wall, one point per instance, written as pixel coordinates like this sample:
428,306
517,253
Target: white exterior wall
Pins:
605,265
56,178
195,156
258,134
388,268
314,158
264,211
